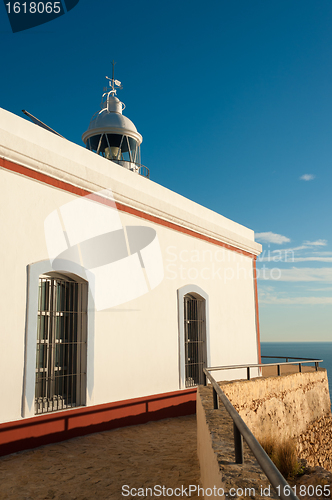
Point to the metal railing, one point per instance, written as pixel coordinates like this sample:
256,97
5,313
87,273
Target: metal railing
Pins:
144,171
278,365
133,166
241,430
302,361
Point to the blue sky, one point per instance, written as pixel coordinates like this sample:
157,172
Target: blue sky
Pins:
234,102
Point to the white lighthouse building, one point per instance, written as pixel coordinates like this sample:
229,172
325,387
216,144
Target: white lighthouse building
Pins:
115,291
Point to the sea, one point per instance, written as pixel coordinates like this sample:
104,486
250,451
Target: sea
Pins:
312,350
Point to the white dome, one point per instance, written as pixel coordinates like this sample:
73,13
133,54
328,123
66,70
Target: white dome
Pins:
110,120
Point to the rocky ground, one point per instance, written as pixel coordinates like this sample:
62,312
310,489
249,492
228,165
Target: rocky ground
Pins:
315,483
99,465
315,445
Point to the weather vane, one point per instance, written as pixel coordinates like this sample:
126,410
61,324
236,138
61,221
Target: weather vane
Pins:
113,82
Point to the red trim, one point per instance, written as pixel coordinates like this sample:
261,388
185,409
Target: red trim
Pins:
54,427
14,167
45,179
257,312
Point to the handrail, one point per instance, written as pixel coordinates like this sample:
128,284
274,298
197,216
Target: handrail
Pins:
241,430
285,357
260,365
141,169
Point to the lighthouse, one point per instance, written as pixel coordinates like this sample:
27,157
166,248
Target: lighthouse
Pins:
110,270
113,135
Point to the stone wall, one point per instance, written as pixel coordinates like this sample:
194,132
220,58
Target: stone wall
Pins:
295,406
315,445
215,447
282,406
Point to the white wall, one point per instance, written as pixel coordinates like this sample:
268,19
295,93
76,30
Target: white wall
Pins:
30,145
136,346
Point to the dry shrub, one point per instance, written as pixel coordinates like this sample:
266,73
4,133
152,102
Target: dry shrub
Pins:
269,445
283,455
287,461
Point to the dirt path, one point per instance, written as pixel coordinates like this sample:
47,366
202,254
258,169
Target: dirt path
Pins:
97,466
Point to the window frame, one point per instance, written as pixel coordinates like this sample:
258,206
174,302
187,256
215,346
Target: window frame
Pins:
61,343
181,293
77,273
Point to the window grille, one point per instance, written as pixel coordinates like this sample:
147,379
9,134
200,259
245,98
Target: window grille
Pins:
61,344
195,339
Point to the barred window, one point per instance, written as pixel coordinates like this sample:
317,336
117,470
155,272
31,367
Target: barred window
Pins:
195,339
61,343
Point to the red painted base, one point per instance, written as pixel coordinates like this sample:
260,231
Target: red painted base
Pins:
54,427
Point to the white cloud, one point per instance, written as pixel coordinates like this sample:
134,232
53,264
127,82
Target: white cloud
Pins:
296,300
289,258
325,289
266,289
317,243
288,254
268,295
312,259
270,237
307,177
295,274
294,249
